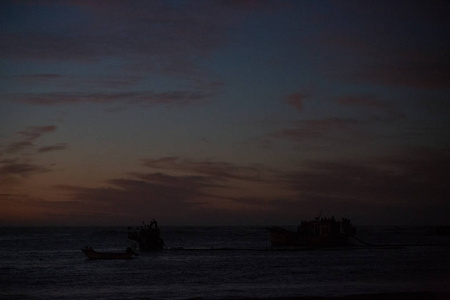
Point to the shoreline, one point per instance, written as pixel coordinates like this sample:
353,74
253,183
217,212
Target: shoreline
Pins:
373,296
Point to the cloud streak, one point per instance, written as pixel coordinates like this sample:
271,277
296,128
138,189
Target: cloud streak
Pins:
424,73
12,171
121,30
368,101
35,132
20,164
131,199
314,129
218,170
57,147
197,189
29,137
408,49
18,146
249,110
296,100
385,184
135,98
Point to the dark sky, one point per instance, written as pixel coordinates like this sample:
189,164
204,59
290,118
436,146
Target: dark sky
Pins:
224,112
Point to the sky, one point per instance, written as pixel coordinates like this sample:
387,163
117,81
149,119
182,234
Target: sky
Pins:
224,112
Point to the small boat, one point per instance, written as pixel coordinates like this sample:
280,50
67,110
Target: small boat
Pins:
321,232
92,254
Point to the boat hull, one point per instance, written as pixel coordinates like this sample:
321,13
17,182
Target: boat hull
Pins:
148,244
92,254
283,237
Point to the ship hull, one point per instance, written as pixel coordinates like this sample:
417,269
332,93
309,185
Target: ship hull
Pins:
92,254
283,237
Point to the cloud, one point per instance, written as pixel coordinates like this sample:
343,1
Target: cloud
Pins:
57,147
18,146
132,199
40,46
373,189
372,62
408,48
12,171
373,107
409,179
35,132
362,100
189,181
296,100
122,30
313,129
395,188
137,98
35,78
29,136
404,188
16,168
198,190
256,5
216,170
116,81
424,73
19,208
163,38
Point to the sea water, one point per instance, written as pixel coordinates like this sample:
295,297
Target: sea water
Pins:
217,263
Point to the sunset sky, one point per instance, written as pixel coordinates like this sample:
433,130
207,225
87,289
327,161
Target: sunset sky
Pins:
224,112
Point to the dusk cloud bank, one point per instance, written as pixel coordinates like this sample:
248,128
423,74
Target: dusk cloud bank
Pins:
224,112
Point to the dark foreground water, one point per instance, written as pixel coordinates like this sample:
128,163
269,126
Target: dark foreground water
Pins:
217,263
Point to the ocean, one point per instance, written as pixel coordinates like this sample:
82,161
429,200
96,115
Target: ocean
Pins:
218,263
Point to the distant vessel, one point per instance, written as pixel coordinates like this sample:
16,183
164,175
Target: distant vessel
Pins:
147,236
320,232
92,254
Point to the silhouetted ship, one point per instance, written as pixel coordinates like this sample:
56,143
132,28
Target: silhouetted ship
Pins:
92,254
321,232
147,236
